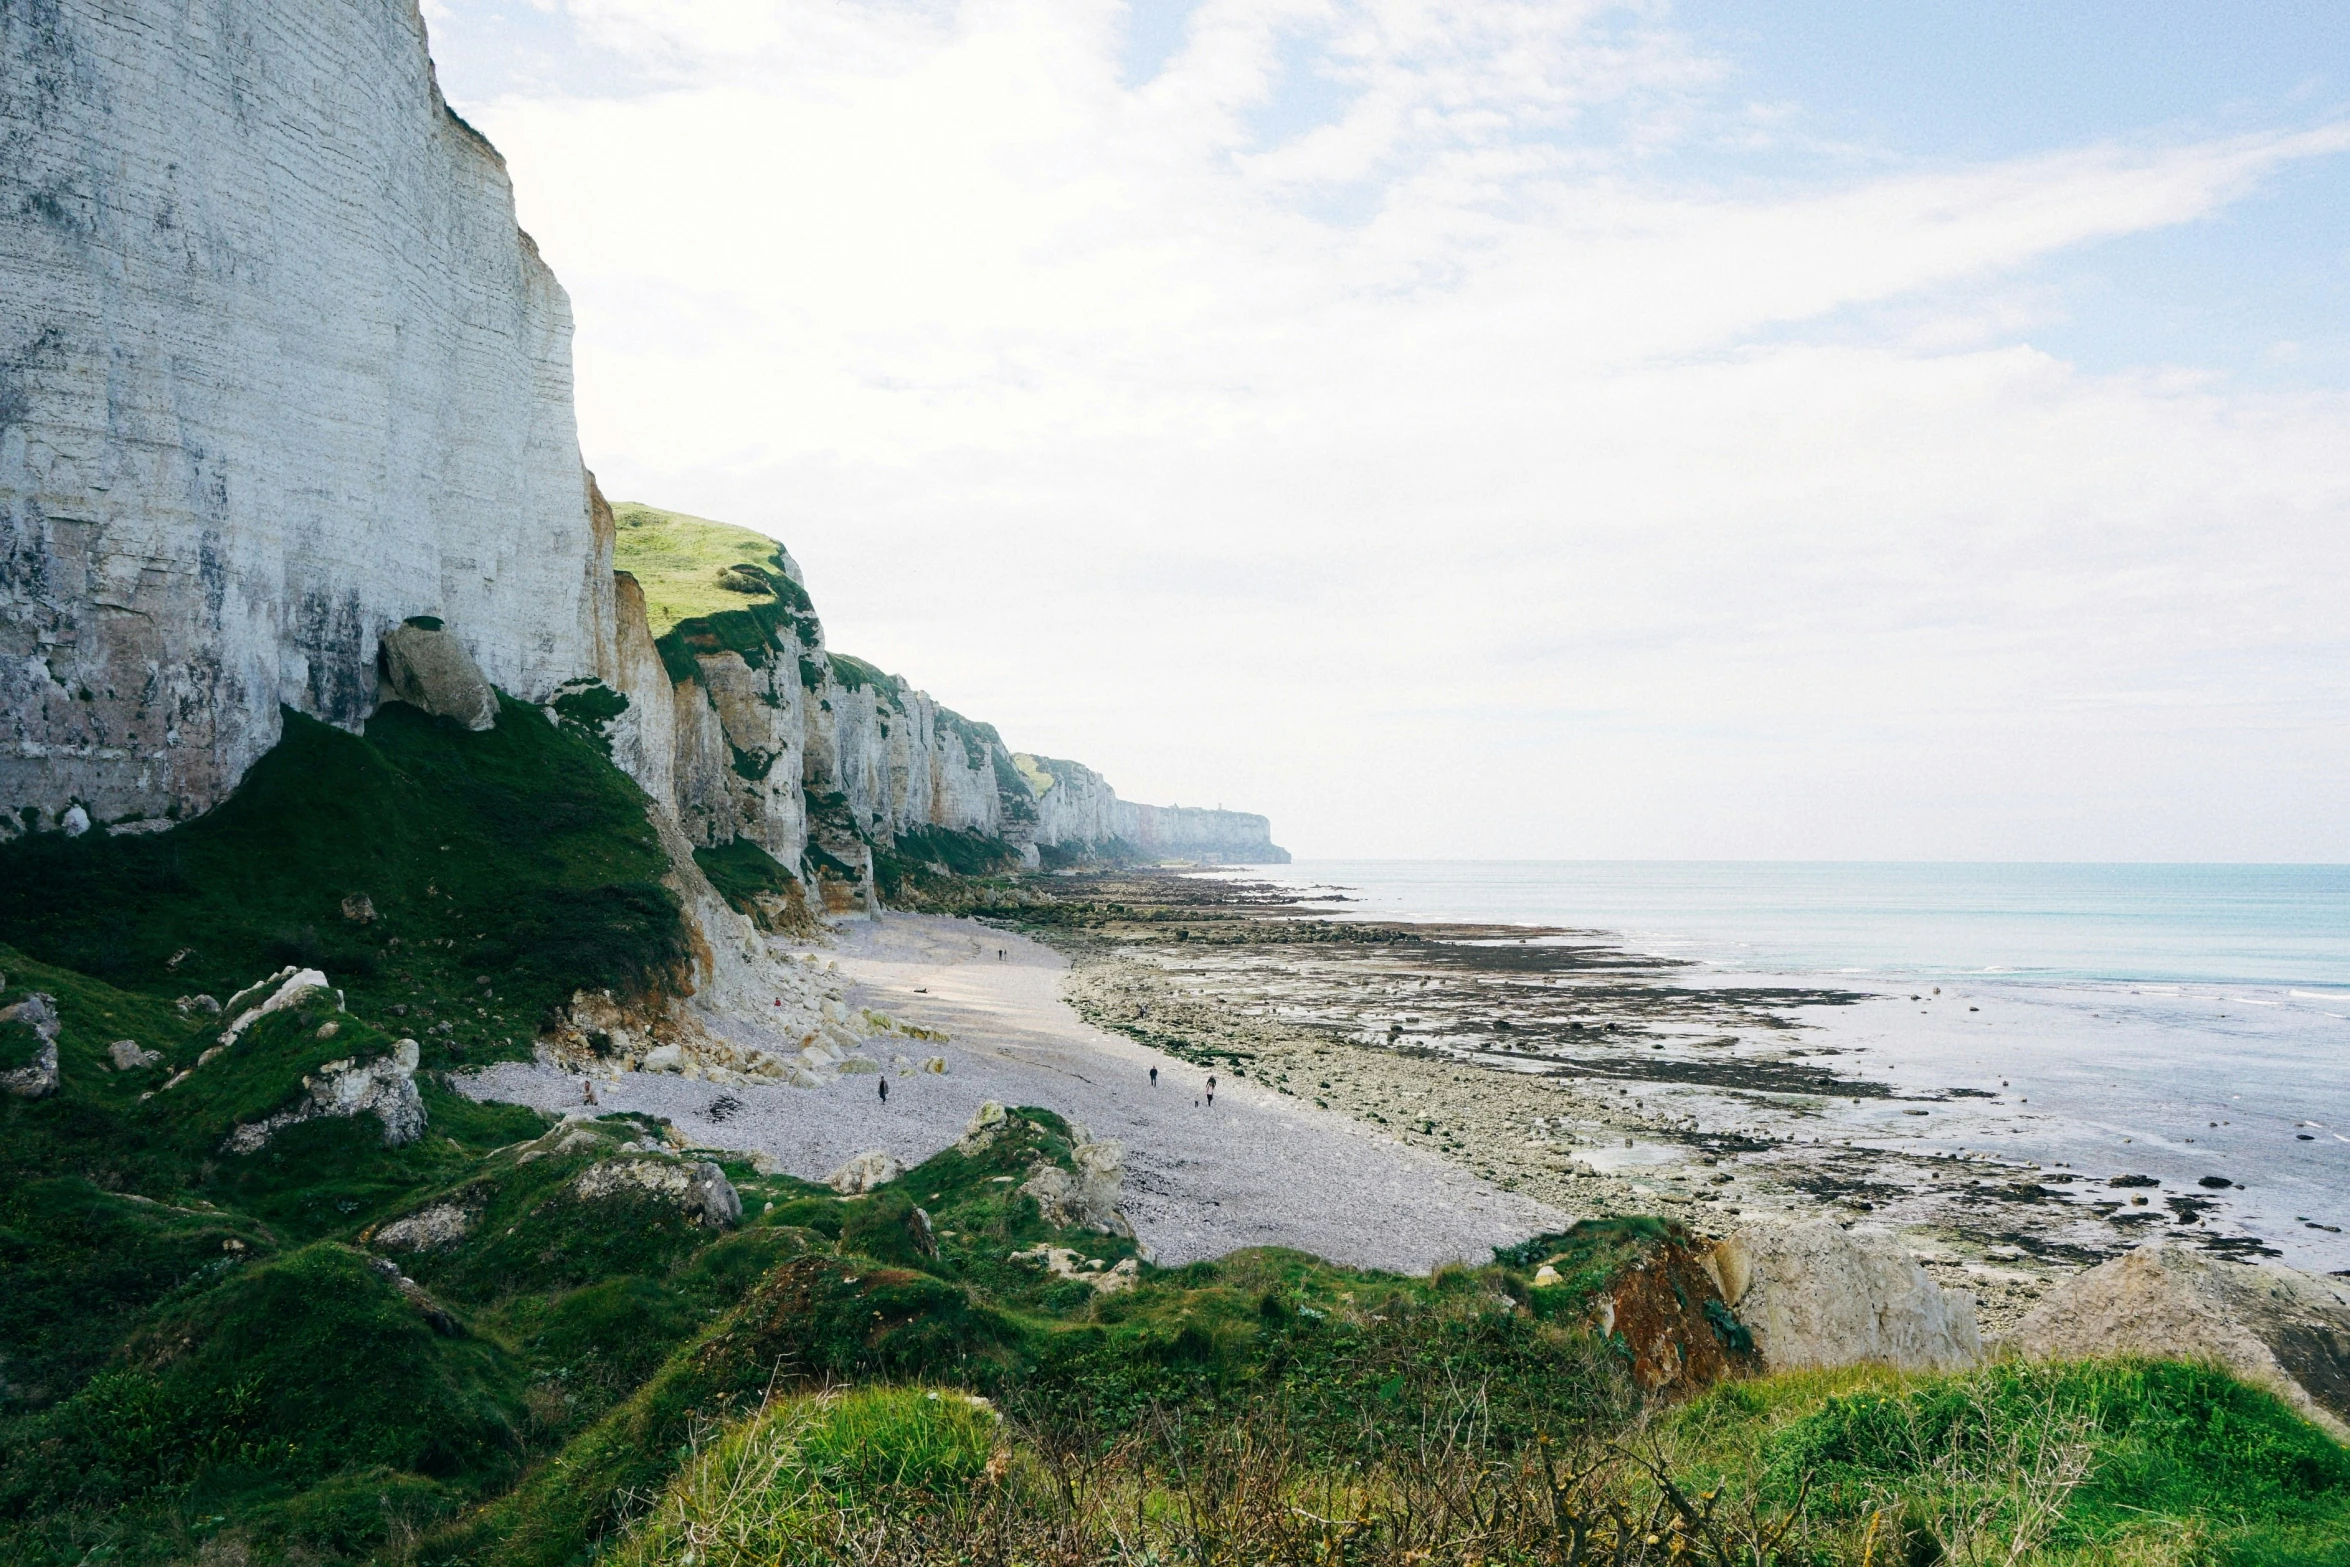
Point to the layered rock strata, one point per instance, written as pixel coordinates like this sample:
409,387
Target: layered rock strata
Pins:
277,373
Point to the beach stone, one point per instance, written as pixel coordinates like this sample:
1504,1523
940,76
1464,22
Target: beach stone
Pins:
2278,1327
876,1167
1816,1295
427,667
38,1078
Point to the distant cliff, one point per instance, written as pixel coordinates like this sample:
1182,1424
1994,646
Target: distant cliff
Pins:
280,375
777,739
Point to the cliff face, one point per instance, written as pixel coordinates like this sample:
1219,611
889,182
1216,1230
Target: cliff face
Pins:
277,371
759,701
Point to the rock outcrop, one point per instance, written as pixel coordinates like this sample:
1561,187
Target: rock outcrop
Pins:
384,1088
1816,1295
34,1016
1085,1198
869,1171
701,1188
2283,1329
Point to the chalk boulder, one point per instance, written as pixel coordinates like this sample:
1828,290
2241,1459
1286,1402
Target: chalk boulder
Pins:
428,1229
876,1167
36,1015
426,666
285,988
700,1188
384,1088
2283,1329
987,1123
1816,1295
1085,1198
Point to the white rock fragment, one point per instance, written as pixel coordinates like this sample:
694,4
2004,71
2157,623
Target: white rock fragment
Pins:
37,1078
287,987
1816,1295
873,1168
1064,1263
384,1088
2283,1329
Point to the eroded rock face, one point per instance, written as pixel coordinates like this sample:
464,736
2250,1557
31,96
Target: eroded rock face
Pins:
384,1088
427,667
1817,1295
37,1079
2280,1328
277,372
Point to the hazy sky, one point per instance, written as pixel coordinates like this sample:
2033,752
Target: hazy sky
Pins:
1813,429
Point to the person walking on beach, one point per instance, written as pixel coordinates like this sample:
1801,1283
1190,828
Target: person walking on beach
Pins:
1211,1093
1154,1077
885,1090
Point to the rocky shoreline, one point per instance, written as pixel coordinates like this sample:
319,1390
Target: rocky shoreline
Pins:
1590,1078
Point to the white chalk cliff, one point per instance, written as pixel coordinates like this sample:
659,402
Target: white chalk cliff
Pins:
279,374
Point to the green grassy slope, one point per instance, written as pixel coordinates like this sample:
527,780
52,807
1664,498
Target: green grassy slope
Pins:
519,856
685,564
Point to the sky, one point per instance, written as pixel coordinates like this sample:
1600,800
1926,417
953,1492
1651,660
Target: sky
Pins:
1821,429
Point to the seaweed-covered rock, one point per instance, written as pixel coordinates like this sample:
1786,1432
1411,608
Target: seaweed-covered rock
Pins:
1815,1294
36,1015
427,667
2286,1330
384,1088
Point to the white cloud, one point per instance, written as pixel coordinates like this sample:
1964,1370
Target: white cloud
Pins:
1445,473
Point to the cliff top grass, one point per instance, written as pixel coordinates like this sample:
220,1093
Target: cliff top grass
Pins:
686,564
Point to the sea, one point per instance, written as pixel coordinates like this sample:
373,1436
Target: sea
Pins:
2191,1022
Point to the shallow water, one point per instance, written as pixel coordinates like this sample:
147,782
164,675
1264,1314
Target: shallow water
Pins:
2117,1011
